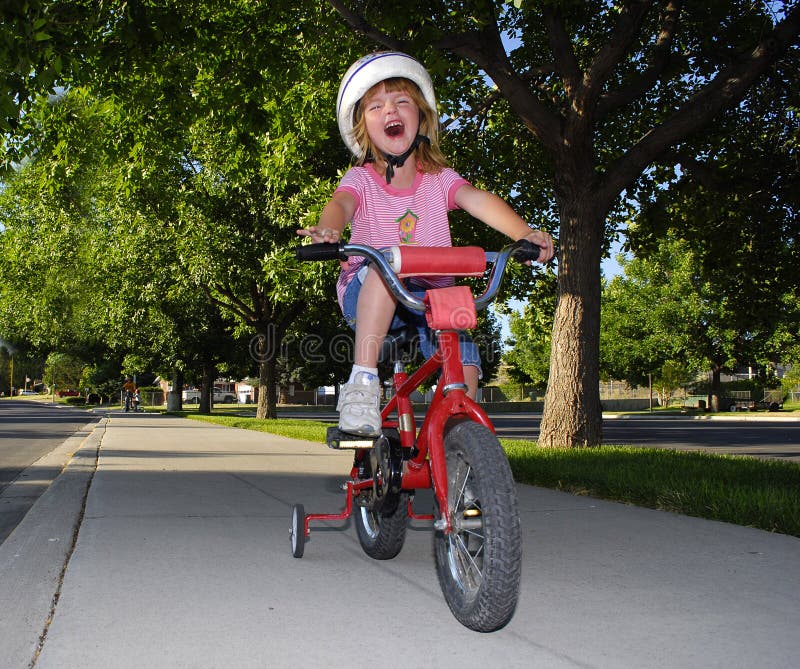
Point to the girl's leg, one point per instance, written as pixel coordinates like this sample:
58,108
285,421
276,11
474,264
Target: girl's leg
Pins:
359,399
471,378
376,307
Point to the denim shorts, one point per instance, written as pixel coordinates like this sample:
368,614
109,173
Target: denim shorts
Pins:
403,318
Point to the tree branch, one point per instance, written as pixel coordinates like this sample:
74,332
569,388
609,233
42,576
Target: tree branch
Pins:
722,92
486,50
232,304
702,172
358,23
661,58
625,31
566,62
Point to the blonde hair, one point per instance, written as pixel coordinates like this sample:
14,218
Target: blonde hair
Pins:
429,156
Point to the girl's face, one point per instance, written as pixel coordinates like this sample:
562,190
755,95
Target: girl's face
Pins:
391,118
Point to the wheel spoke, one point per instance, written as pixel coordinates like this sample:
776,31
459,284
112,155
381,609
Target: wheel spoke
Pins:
463,485
470,568
466,563
473,533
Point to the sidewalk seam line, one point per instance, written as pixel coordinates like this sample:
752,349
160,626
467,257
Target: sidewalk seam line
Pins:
76,530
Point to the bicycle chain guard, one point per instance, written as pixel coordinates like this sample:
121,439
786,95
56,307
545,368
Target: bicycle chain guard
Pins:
386,462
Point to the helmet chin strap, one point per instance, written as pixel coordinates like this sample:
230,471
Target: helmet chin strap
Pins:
393,161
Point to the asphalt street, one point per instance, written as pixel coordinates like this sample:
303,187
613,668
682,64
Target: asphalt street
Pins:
30,432
772,435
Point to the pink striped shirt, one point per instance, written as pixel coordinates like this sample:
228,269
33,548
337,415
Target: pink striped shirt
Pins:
388,216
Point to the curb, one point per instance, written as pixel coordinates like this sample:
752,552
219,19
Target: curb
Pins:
34,557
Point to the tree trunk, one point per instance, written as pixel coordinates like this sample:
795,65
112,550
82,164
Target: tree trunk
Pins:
267,396
267,372
207,389
715,390
175,396
572,414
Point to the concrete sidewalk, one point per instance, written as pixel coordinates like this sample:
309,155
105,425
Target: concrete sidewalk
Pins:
165,544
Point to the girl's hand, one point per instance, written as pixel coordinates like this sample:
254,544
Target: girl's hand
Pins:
319,235
545,243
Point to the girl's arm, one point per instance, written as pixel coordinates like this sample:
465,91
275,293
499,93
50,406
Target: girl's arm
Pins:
335,216
497,214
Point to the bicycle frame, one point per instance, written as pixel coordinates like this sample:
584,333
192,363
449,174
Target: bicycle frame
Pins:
427,467
449,401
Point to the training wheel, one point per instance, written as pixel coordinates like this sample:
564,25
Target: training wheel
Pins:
298,530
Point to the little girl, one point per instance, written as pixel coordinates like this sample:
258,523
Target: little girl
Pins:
399,192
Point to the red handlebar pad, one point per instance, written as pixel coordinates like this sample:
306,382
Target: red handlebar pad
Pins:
441,261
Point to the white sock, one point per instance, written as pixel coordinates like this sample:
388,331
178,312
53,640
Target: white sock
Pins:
365,375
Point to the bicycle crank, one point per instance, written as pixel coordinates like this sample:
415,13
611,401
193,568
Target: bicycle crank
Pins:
386,462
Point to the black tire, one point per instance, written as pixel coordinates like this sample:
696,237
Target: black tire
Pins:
382,536
298,530
479,562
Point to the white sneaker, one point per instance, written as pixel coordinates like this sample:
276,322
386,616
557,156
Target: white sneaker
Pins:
359,408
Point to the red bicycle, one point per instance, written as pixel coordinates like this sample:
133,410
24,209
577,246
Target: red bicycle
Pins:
477,542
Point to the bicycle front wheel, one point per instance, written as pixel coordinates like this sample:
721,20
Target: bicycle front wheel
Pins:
479,562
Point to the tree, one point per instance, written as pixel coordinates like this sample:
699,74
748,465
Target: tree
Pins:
668,316
235,101
38,50
607,89
646,315
528,359
736,203
45,298
223,147
63,372
88,267
672,376
18,363
648,311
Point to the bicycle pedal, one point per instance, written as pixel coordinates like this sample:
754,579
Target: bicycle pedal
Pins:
339,440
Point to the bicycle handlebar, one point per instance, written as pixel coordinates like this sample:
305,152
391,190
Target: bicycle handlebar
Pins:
323,251
521,250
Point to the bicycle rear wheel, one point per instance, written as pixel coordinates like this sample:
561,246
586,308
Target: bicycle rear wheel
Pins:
382,535
479,562
382,515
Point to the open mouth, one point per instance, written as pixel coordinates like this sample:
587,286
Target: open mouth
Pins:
394,129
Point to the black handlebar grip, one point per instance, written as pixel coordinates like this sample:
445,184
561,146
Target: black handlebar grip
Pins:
525,250
320,252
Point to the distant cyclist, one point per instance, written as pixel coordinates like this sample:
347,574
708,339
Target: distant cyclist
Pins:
128,390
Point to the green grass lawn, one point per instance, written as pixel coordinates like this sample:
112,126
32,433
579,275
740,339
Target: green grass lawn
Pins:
735,489
747,491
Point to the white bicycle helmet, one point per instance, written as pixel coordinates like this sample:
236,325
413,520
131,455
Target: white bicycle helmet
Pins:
368,71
